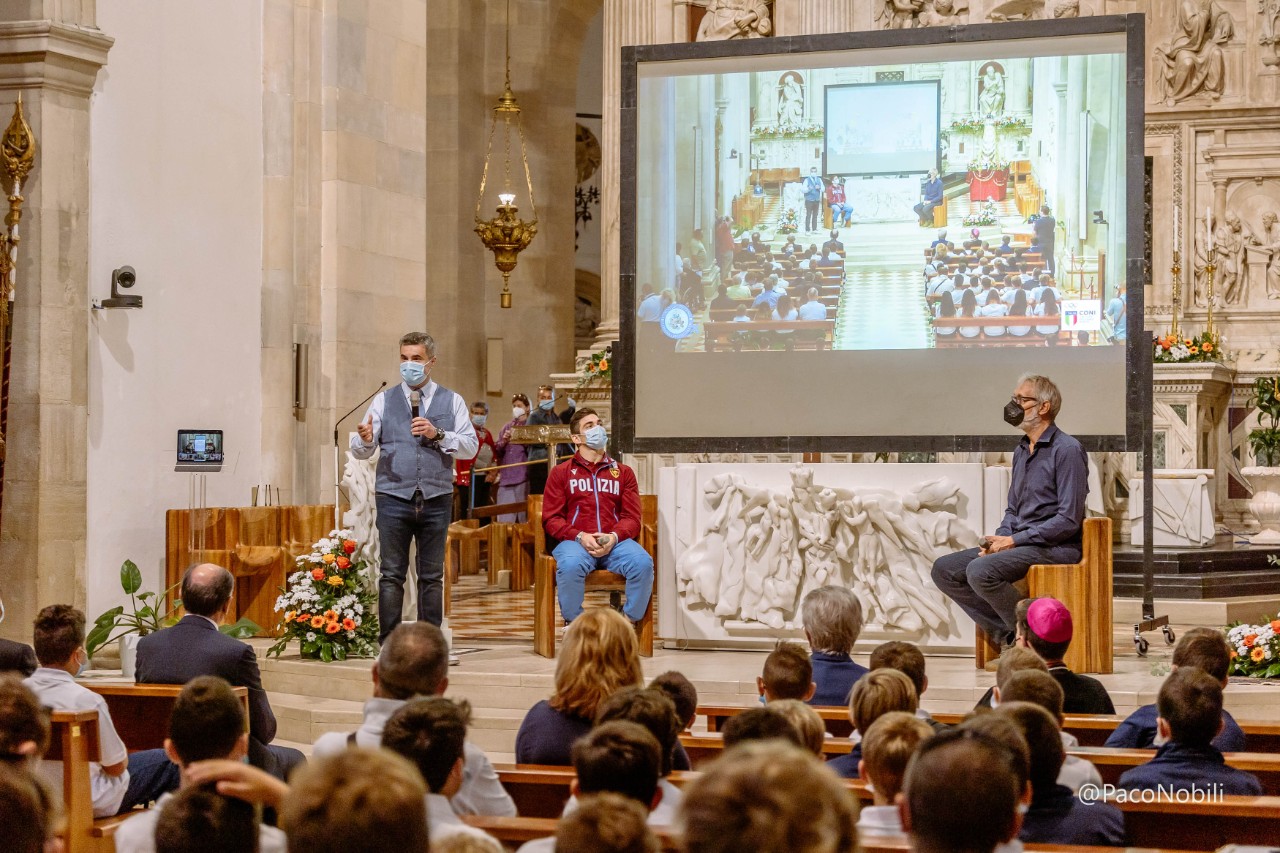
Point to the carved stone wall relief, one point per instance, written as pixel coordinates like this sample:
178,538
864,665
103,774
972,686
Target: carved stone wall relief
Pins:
1192,61
907,14
1035,10
735,19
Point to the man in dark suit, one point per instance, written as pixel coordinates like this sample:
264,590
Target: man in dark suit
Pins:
17,657
833,245
195,647
1044,229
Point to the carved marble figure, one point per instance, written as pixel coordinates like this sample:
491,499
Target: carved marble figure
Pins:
1229,240
1270,243
944,13
359,478
1031,10
1270,12
991,92
735,19
761,551
790,99
899,14
1193,63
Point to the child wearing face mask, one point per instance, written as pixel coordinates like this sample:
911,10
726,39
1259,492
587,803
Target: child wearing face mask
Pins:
463,481
513,483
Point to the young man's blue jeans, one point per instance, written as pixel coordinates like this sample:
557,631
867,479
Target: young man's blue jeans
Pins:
627,559
401,521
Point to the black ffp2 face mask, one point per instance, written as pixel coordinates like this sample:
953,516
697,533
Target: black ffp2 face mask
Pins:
1013,413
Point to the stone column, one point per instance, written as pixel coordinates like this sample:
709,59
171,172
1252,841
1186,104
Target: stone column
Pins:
626,22
54,63
809,17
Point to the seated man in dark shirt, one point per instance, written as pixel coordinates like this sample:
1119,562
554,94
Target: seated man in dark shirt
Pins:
1190,706
1044,626
1042,521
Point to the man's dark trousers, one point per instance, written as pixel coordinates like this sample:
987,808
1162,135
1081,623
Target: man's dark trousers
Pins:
984,588
425,521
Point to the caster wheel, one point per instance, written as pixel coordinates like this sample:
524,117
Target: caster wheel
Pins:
1169,636
1142,646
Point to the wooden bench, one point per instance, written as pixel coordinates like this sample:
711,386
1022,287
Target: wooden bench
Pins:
1032,339
819,333
544,579
74,741
1085,588
515,831
140,712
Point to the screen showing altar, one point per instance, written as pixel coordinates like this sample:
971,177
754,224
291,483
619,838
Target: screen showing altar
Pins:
818,229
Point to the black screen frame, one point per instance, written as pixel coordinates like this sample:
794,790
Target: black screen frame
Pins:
1138,391
222,450
937,117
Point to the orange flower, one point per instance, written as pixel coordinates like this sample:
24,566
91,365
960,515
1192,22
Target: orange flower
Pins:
348,624
317,574
1250,639
332,628
328,558
1206,346
349,546
1234,654
303,619
604,364
288,617
1188,341
330,616
334,580
343,563
317,621
1275,626
1258,654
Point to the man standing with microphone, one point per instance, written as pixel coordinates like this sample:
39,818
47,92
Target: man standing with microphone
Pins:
420,427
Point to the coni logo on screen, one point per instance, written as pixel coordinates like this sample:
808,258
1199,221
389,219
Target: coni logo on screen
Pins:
1083,315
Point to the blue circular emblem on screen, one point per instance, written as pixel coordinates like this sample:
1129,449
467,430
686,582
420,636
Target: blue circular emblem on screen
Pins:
677,321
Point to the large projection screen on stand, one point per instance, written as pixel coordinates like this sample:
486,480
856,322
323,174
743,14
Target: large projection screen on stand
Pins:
866,348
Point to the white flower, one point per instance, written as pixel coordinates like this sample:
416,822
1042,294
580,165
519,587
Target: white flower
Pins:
351,635
359,608
311,636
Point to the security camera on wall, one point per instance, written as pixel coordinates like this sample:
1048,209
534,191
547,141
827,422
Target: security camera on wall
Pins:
122,278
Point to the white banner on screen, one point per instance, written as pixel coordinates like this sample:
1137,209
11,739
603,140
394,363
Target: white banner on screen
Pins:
882,128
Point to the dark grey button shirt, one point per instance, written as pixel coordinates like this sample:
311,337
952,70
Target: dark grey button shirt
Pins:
1047,492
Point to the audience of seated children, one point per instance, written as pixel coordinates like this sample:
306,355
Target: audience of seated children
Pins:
1014,659
618,757
1202,648
24,723
887,748
757,724
28,811
653,709
806,722
1000,730
600,656
356,801
1056,815
1190,716
430,733
945,308
1040,688
197,820
119,781
832,622
605,823
768,798
787,674
1044,626
414,662
685,697
207,723
467,844
907,659
876,694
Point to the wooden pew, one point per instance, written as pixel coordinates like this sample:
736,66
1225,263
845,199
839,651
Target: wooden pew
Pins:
1031,339
140,712
723,334
514,831
74,741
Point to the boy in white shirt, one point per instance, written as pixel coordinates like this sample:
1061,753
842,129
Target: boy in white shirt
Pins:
887,748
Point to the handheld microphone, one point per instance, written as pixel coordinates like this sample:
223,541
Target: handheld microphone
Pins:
353,408
415,400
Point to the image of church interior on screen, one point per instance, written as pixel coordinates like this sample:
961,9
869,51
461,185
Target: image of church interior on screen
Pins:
975,203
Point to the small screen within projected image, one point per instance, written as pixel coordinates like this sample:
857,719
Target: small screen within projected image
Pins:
861,221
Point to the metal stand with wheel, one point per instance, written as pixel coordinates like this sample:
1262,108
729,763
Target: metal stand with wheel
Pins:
1150,621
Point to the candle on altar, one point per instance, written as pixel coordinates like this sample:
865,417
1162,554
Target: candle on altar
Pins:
1177,231
1208,226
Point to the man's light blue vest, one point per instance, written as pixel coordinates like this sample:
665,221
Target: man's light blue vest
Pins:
408,464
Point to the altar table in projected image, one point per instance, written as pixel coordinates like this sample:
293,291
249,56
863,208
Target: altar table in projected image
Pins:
988,185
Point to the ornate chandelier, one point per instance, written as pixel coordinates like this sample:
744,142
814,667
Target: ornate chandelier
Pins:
506,235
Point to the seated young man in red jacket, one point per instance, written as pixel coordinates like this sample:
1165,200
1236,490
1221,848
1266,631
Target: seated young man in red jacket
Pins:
591,508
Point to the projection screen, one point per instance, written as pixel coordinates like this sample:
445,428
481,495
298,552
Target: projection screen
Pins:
794,278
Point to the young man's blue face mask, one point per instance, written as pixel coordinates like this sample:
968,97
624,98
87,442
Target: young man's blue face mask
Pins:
479,420
596,438
546,405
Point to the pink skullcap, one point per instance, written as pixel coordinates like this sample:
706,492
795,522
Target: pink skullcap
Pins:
1050,619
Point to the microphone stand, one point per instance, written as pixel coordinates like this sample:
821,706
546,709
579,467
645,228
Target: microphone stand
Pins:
337,469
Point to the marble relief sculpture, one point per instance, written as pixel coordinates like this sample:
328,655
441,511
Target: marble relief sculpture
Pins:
944,13
761,551
735,19
1034,10
906,14
991,93
1270,243
1229,240
1270,12
360,478
1193,63
790,99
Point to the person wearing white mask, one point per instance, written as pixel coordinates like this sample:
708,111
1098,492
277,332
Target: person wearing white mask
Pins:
421,427
591,509
513,482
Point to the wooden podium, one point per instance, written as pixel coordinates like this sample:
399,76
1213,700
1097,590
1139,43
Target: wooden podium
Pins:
257,544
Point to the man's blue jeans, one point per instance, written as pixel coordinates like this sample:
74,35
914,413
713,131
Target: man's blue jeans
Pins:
426,521
627,559
984,586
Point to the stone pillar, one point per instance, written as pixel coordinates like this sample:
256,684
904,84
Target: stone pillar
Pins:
809,17
54,63
626,22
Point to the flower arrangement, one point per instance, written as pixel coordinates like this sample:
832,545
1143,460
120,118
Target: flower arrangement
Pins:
1255,649
328,607
1014,124
599,366
1203,347
788,130
967,125
975,125
988,164
988,214
790,222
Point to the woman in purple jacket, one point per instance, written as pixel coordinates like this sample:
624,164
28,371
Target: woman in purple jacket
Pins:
513,483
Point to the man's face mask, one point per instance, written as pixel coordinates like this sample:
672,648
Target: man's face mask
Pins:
1013,413
413,372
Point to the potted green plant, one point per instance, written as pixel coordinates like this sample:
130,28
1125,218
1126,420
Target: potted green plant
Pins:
146,614
1264,478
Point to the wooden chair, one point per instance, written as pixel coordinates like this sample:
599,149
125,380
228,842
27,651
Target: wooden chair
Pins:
1085,588
462,548
544,580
